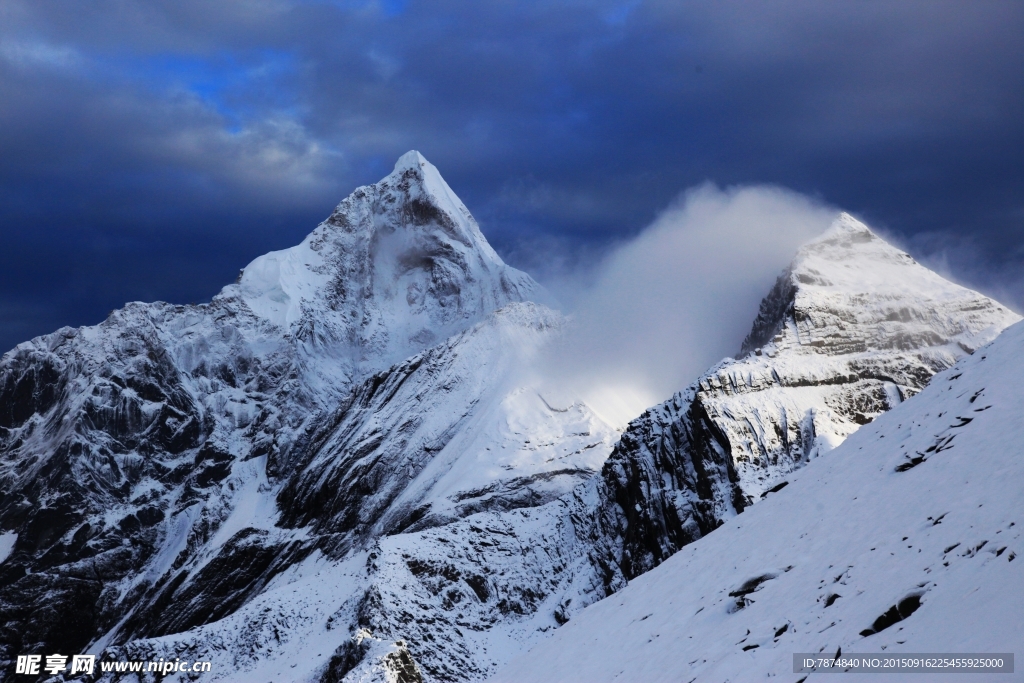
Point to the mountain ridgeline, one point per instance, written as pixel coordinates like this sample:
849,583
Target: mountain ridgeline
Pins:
344,467
123,446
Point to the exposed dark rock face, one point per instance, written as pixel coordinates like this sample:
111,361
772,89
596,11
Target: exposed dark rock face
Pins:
772,314
50,608
894,614
391,662
87,475
244,565
678,447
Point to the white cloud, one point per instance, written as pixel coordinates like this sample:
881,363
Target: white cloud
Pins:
681,296
27,54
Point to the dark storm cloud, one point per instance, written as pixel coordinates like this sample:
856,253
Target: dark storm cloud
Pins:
150,149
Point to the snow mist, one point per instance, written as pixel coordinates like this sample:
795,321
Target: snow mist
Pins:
678,297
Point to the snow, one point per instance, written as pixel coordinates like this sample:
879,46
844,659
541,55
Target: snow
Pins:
499,466
285,634
273,285
252,509
866,327
507,431
859,524
7,541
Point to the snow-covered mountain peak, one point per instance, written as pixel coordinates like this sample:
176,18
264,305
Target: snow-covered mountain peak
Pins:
414,166
850,330
398,266
853,318
850,256
845,227
149,446
411,159
850,291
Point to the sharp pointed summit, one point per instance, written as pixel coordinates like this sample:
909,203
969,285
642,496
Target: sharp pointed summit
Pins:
396,267
850,292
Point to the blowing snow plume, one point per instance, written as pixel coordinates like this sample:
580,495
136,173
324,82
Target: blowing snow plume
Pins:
681,295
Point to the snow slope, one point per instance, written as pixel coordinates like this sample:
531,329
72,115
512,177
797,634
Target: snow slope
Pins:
925,503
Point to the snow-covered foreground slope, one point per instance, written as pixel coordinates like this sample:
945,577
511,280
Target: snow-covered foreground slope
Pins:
926,504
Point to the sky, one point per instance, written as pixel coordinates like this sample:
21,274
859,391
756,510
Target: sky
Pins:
149,150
